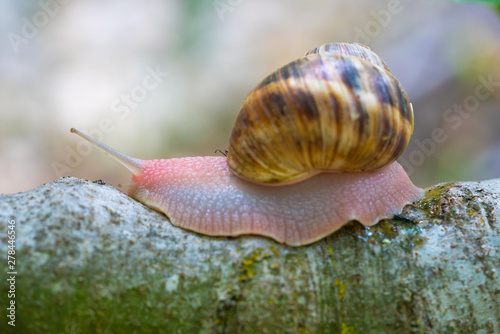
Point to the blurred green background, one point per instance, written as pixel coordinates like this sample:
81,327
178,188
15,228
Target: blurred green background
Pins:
89,64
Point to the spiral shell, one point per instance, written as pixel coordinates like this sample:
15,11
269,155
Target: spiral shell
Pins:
336,109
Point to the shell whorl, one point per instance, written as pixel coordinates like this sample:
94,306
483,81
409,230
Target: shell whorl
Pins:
336,109
350,49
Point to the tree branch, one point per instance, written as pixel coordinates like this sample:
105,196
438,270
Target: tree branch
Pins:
91,259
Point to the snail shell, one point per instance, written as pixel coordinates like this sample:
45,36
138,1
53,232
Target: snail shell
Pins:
336,109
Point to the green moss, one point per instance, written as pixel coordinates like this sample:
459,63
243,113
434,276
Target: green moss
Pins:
433,198
345,329
340,288
389,233
95,301
114,294
248,263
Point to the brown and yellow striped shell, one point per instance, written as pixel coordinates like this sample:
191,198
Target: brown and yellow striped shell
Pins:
336,109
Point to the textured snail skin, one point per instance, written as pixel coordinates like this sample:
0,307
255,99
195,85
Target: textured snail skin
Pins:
201,194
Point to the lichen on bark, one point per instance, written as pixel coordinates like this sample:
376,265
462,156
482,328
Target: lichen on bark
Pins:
92,260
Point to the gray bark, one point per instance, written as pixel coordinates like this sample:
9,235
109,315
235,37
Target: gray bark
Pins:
92,260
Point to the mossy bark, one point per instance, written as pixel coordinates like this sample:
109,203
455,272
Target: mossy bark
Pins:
89,259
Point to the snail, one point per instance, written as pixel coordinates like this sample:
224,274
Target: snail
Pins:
313,147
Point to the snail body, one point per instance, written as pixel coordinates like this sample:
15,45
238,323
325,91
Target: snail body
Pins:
350,118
